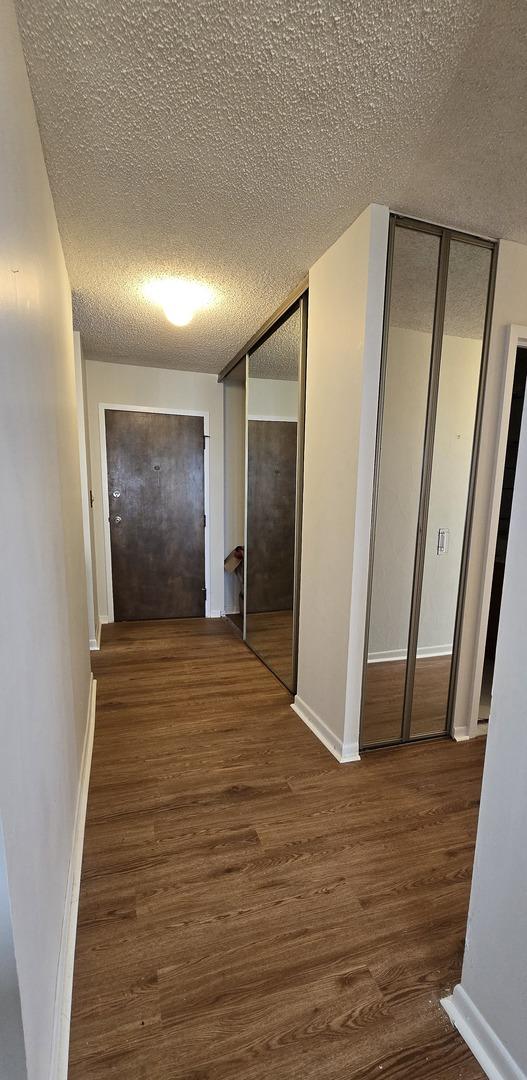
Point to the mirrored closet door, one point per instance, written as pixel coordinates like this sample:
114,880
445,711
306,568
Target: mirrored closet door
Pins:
274,406
439,285
264,438
234,411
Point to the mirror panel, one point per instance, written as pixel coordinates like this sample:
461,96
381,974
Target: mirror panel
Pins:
466,301
273,383
400,462
234,473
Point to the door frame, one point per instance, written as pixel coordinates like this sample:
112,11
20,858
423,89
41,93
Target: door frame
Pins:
274,419
516,338
111,407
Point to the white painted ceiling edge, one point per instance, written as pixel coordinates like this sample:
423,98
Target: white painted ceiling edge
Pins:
234,144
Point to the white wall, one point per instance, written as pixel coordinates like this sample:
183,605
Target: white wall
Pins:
400,475
273,398
44,650
129,384
346,298
510,306
494,978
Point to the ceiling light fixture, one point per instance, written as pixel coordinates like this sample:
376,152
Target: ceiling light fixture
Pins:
180,298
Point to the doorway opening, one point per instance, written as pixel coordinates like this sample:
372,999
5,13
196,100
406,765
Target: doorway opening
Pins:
155,486
507,491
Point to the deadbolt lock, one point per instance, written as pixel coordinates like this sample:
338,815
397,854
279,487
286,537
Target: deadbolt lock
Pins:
116,494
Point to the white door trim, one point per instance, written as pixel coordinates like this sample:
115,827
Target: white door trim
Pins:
103,406
516,336
274,419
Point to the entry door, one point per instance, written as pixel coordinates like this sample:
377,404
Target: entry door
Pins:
157,525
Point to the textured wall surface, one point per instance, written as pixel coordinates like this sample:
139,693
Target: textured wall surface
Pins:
235,142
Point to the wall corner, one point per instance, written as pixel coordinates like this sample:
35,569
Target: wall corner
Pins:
371,366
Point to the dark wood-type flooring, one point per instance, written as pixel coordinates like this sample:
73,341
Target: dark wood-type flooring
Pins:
249,908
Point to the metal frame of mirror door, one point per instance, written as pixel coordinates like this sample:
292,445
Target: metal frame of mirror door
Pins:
301,303
445,236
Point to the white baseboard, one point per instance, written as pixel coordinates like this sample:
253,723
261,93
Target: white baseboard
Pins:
460,734
95,643
343,752
487,1048
103,621
400,654
62,1007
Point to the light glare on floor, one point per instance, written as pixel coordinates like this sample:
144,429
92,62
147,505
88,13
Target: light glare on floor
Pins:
180,298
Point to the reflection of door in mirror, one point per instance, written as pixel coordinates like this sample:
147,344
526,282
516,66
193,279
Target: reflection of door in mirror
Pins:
272,437
234,472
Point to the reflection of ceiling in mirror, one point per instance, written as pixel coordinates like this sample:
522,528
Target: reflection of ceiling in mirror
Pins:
278,357
414,279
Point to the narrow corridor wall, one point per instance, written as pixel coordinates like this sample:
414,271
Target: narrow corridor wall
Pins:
489,1004
346,300
45,672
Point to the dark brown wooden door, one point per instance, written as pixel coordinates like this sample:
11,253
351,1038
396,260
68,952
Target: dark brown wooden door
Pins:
157,525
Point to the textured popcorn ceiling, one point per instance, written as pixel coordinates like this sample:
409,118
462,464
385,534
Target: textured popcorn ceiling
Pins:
234,141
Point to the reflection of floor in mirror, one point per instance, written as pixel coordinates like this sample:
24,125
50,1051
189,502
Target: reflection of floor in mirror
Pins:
270,633
236,619
486,689
384,698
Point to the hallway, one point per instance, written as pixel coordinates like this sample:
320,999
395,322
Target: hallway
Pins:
249,908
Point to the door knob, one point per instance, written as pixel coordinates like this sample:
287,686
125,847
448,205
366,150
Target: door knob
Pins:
116,494
117,520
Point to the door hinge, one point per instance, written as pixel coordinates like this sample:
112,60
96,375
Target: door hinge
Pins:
204,591
204,521
91,498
